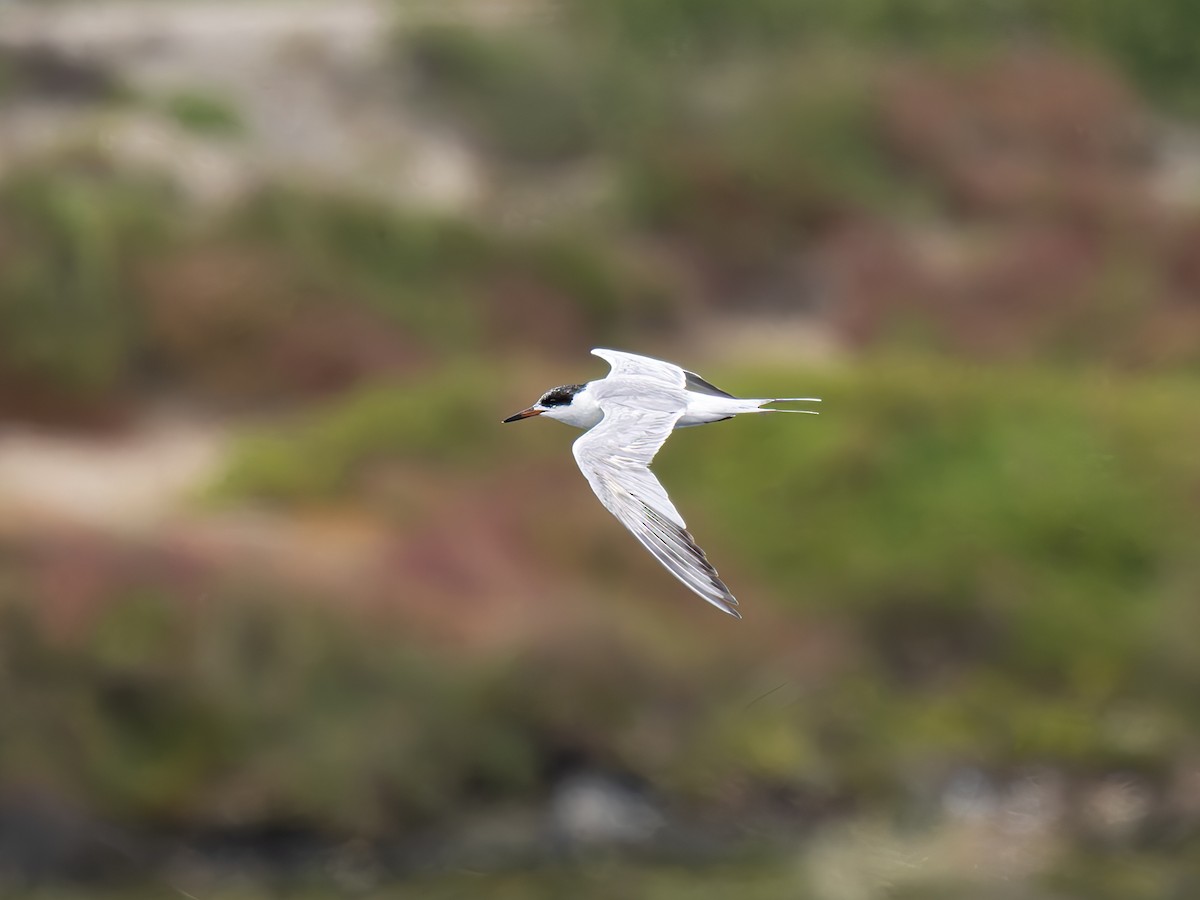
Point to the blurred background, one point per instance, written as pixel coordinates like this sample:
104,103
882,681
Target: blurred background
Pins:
287,613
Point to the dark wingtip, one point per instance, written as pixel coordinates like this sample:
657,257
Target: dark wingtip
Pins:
728,605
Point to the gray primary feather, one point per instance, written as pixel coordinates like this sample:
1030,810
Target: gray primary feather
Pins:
694,382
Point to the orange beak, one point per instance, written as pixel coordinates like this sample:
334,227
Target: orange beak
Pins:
524,414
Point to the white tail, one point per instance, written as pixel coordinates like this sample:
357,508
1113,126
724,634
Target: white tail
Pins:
812,412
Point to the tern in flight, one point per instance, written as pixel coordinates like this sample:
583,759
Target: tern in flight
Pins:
628,416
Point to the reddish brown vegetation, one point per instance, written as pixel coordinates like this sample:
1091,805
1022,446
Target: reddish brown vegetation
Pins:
1055,245
1029,133
237,322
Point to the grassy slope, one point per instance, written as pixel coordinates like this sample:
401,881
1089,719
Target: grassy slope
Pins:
1006,556
996,567
1011,549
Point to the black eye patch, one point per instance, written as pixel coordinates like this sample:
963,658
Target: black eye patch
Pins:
560,396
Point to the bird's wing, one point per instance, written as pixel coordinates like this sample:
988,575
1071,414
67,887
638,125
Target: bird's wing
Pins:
623,363
615,457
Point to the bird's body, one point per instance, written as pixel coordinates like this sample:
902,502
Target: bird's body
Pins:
628,416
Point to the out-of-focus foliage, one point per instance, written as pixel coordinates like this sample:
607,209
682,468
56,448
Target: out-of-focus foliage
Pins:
530,100
440,421
267,713
1154,41
390,622
69,243
103,293
619,74
1000,557
985,522
1035,524
203,113
972,178
448,282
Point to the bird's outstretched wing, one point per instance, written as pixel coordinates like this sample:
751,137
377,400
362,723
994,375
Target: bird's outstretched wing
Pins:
615,457
623,363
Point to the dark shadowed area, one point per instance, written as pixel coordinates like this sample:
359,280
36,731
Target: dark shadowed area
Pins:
285,611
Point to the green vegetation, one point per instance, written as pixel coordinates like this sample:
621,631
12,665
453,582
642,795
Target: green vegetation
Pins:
538,99
600,882
419,272
271,711
103,293
437,422
524,99
1009,544
618,79
1004,555
1007,547
956,567
1154,42
204,113
69,245
449,282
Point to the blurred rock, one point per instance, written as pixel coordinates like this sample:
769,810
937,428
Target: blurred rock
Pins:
312,83
1114,809
1182,795
355,867
590,809
210,173
43,838
1033,803
121,482
969,793
40,72
1176,179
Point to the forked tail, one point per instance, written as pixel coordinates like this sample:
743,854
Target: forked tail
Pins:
761,405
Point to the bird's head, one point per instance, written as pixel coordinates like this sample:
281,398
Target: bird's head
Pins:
555,403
